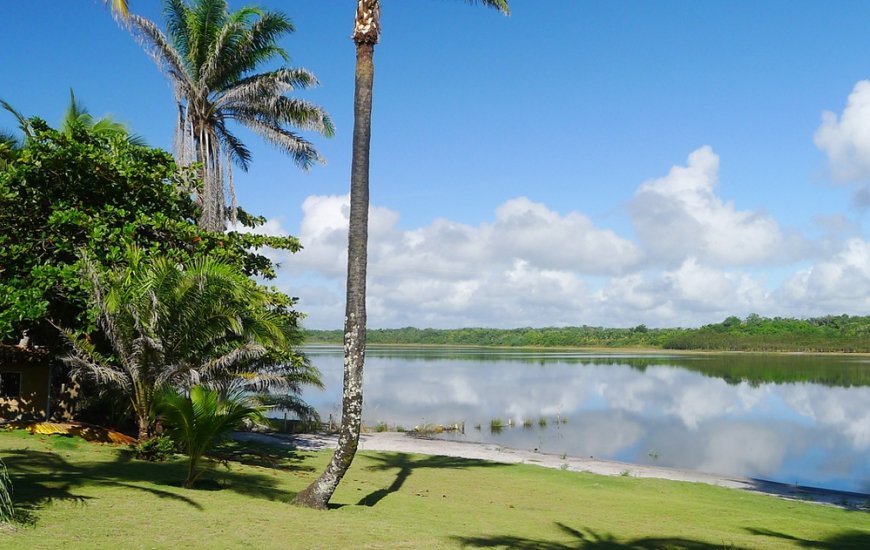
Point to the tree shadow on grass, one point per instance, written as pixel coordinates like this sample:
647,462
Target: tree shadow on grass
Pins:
846,539
841,499
264,455
406,464
42,477
587,539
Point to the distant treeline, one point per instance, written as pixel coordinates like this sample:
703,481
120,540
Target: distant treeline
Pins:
842,333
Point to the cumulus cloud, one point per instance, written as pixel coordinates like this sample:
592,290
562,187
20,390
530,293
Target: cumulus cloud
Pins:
841,283
525,267
697,259
846,142
846,139
687,295
680,216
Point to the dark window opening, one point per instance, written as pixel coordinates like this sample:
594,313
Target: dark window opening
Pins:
10,384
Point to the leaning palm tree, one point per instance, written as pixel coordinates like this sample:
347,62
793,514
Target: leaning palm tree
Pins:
210,56
367,29
171,326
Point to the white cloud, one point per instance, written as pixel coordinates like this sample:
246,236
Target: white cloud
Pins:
698,260
680,216
838,284
846,140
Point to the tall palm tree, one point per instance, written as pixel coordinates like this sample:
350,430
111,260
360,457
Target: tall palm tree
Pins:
367,29
210,56
170,326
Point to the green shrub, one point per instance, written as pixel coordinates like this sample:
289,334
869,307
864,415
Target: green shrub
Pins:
155,449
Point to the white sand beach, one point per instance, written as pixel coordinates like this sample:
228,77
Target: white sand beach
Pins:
407,443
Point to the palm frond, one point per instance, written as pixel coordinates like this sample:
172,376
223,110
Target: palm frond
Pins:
23,123
164,55
270,84
295,146
120,8
204,20
500,5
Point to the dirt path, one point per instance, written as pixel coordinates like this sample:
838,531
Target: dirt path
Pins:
405,443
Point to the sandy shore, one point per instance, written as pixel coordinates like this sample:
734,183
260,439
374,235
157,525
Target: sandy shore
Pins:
405,443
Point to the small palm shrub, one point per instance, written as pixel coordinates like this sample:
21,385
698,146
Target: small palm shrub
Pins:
195,421
155,449
7,510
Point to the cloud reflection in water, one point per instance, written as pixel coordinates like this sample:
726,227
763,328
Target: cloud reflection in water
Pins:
652,414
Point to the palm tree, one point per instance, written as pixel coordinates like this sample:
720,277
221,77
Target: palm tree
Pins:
210,56
367,29
170,326
195,421
76,116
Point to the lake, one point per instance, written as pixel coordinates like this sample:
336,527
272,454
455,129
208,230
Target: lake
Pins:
786,418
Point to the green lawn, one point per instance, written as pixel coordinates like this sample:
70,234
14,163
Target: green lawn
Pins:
73,494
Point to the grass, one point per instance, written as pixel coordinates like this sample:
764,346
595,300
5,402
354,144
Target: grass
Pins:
73,494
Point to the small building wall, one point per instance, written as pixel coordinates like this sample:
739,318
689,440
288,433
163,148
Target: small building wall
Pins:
33,395
32,371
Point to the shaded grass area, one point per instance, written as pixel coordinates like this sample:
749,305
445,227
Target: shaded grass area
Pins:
75,494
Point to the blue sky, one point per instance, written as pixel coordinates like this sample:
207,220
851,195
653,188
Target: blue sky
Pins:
613,163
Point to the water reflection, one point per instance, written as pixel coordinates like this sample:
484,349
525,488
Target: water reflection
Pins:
793,419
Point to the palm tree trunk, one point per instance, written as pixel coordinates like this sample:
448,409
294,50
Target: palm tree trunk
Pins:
318,494
144,427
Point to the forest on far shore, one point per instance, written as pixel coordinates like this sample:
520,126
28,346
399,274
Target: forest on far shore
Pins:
843,333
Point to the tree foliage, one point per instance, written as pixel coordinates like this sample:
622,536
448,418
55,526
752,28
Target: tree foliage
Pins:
175,326
65,194
834,333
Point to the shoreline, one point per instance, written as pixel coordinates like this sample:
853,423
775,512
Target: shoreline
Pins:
404,443
606,350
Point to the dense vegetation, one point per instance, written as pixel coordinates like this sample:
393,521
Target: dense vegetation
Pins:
85,197
755,333
65,194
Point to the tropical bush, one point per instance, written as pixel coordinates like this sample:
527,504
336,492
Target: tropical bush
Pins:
7,510
175,326
196,420
155,449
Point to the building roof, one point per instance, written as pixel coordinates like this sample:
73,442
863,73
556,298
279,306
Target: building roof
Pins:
17,354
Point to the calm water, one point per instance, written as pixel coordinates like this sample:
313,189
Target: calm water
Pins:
792,419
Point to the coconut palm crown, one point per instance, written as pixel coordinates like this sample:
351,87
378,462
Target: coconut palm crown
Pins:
211,56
